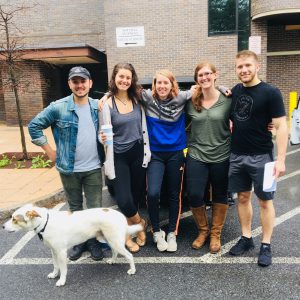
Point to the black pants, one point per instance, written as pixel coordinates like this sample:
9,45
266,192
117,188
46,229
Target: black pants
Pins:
171,163
197,175
129,184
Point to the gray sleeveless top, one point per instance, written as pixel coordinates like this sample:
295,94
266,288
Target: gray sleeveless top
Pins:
127,128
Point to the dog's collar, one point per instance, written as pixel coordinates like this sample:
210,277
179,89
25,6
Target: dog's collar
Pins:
43,229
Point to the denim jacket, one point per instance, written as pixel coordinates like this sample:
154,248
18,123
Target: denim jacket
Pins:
62,118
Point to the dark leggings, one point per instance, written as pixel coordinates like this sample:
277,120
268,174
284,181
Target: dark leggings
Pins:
199,173
171,163
129,184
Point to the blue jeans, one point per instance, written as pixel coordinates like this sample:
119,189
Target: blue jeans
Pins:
75,183
171,163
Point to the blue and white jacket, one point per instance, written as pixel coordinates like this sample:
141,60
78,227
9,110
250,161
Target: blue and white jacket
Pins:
165,121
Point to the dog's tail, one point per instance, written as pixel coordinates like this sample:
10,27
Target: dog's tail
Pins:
132,229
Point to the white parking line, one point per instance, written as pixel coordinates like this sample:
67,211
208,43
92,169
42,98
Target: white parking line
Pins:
208,258
284,177
9,257
160,260
292,152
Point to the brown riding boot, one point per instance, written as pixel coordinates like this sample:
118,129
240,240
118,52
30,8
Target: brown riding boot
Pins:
200,217
219,212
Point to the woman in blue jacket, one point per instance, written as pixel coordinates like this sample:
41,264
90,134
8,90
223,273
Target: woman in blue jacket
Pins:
164,108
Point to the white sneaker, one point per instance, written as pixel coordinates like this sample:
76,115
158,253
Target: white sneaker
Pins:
172,244
159,239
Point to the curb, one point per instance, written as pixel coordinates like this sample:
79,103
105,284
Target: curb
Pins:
48,201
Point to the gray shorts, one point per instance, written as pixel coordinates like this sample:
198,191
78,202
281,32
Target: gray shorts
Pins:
248,170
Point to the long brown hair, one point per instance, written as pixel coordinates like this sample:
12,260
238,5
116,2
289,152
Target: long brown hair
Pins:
134,89
197,97
166,73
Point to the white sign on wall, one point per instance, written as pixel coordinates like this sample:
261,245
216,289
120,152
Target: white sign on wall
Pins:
255,44
130,36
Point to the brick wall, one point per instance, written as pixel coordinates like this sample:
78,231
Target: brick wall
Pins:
30,94
51,83
283,40
284,72
260,28
262,6
176,37
61,22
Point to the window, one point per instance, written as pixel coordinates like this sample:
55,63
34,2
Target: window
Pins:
243,24
221,16
230,17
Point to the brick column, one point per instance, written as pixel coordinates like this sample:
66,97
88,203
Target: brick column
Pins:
260,28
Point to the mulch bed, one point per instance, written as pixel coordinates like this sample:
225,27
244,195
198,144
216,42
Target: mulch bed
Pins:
18,161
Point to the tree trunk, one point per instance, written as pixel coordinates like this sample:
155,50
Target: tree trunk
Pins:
20,119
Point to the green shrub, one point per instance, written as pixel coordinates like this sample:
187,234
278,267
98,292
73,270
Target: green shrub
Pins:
4,161
40,162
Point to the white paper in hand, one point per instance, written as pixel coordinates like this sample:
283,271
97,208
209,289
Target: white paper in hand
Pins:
270,183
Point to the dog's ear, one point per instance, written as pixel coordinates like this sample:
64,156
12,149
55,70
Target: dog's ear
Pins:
18,219
32,214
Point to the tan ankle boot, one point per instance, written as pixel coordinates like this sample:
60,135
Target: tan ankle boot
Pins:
219,212
200,217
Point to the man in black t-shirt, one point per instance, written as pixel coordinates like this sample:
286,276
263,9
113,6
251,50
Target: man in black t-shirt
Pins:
254,105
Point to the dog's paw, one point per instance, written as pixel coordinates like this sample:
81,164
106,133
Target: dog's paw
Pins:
52,275
131,271
61,282
111,261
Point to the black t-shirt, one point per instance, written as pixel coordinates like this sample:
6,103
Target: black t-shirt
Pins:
251,111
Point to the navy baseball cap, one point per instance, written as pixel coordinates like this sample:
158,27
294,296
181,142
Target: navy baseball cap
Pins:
79,72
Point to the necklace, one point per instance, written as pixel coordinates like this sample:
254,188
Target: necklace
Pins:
124,102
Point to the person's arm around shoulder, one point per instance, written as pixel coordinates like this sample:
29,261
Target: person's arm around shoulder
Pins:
102,101
224,90
146,97
184,96
36,126
280,125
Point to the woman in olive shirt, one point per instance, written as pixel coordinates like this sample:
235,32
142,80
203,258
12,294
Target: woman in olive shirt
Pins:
208,155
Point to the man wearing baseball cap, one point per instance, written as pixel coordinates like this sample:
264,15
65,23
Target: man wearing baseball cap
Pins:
78,155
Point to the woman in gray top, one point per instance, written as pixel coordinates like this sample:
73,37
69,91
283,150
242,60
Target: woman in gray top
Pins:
208,155
129,153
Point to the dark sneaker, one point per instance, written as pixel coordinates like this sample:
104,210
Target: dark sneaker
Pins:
77,251
243,245
94,247
230,199
265,256
104,246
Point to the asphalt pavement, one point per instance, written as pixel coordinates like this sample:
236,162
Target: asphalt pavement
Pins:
186,274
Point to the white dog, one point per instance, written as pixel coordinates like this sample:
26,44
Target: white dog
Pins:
61,230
